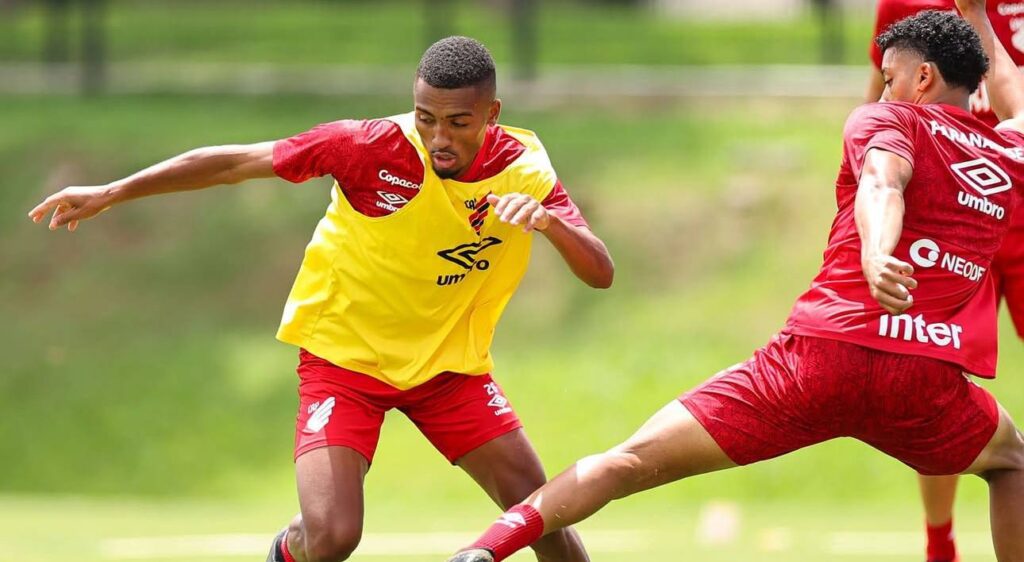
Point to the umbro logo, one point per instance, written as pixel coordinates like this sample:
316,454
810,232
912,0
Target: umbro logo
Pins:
983,175
497,401
512,520
320,414
500,405
390,201
464,255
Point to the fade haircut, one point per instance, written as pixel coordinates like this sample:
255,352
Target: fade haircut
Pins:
457,62
942,38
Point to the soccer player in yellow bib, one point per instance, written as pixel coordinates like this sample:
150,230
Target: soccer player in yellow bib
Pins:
426,237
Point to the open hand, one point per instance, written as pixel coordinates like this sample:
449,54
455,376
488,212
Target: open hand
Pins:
72,204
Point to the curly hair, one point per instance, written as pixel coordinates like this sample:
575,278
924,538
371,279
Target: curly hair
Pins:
944,39
457,62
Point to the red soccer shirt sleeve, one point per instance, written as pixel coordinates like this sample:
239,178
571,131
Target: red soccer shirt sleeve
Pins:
885,15
559,204
887,126
1015,137
323,150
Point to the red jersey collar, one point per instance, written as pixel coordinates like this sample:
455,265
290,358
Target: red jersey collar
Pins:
472,173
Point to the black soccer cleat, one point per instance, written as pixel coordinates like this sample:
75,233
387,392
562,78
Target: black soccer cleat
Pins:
473,555
275,547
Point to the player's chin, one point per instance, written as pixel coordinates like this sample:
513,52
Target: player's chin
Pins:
446,168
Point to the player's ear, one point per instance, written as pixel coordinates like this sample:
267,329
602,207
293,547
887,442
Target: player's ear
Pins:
493,112
926,74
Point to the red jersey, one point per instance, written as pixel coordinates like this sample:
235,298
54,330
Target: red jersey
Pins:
1007,19
958,208
379,172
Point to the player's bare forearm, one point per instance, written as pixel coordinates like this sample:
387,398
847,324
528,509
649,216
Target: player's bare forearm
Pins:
1004,81
879,214
878,210
586,254
196,169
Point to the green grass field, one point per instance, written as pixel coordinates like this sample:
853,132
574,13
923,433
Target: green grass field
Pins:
640,528
140,362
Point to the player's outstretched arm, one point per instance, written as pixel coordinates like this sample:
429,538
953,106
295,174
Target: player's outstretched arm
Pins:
879,215
1004,80
586,254
195,169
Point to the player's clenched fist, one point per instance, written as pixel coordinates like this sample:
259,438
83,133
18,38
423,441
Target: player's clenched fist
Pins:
519,208
890,282
73,204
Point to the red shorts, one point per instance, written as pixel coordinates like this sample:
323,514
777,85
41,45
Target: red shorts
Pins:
797,391
456,413
1008,272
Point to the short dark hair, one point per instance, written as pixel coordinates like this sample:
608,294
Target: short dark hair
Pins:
943,38
457,62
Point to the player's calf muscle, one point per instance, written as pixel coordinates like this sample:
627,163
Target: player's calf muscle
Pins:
633,468
624,470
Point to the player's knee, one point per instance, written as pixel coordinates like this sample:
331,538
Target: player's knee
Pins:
334,544
1007,455
1011,450
1015,454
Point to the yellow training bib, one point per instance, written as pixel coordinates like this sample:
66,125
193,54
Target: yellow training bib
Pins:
419,292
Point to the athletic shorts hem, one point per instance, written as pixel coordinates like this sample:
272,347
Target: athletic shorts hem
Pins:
799,391
992,409
485,438
698,414
334,443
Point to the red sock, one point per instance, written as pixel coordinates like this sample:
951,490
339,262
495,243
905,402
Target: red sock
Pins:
941,545
284,549
515,530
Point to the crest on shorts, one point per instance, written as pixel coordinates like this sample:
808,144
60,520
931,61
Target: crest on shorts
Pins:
320,414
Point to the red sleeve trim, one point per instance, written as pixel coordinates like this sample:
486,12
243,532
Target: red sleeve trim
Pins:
496,153
562,206
886,126
323,150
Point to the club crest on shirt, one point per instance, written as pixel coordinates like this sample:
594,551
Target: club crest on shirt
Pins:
480,208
